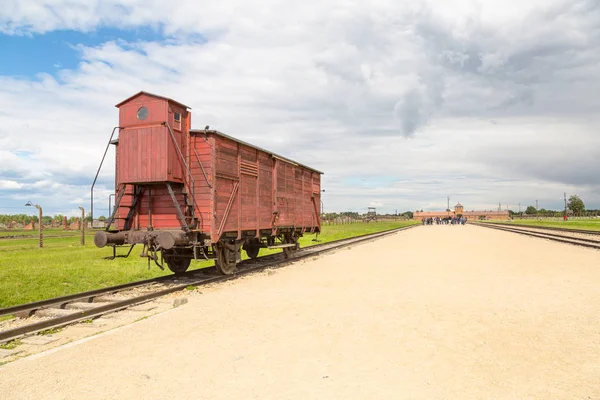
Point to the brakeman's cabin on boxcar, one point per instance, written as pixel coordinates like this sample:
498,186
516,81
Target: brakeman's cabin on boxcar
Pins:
200,194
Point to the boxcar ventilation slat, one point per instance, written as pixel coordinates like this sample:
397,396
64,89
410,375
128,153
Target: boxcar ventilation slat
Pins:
249,168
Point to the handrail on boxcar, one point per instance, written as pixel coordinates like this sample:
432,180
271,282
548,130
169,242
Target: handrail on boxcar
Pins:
202,167
98,172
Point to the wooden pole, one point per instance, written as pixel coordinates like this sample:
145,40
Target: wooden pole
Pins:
82,226
41,228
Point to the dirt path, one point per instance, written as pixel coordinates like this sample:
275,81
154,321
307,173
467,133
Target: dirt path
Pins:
440,312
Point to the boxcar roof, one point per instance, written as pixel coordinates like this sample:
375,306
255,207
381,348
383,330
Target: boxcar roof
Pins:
153,95
214,132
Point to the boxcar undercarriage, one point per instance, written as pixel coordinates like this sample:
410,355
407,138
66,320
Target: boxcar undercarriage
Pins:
177,248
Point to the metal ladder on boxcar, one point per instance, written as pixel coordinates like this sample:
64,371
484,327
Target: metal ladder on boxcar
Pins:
187,221
137,191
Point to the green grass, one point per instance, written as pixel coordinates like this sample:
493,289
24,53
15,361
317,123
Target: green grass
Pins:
588,224
10,345
63,266
50,331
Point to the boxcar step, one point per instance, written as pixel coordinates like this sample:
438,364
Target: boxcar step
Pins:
281,246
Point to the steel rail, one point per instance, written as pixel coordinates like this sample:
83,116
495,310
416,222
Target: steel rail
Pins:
590,243
88,296
31,308
274,260
551,228
26,237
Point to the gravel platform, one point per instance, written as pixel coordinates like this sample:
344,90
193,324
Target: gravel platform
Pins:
436,312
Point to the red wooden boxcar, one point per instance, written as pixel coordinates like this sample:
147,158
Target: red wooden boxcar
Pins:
201,194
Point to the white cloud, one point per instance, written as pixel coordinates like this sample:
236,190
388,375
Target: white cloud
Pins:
10,185
397,94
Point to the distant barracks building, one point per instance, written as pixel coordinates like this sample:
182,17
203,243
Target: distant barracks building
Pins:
459,211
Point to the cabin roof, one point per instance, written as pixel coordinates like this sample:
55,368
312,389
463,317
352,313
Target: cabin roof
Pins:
152,95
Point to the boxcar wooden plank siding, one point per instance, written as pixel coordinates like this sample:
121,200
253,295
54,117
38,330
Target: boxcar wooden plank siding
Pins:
148,152
203,169
233,185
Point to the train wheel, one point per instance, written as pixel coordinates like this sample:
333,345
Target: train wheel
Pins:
177,265
225,261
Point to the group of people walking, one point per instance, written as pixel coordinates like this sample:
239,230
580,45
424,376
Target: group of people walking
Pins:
444,221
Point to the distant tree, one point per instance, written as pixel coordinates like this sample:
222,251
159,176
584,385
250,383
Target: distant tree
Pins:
408,214
530,210
515,214
576,205
102,218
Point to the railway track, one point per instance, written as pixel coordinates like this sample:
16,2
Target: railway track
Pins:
66,310
576,237
23,237
545,228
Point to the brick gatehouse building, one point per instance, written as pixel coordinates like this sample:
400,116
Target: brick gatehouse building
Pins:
459,210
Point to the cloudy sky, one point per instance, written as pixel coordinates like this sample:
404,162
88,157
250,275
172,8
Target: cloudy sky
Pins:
400,103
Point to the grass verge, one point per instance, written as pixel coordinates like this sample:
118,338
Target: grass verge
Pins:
63,266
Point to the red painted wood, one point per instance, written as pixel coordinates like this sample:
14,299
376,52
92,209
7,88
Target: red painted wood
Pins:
147,152
146,156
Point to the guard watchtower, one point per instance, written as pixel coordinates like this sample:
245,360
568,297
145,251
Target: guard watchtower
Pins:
371,215
459,209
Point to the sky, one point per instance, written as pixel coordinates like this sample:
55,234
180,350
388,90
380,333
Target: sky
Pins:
400,103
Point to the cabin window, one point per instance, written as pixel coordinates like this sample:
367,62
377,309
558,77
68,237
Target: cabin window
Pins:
177,118
142,113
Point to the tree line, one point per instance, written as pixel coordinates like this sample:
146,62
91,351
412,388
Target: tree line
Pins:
356,215
575,207
25,219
